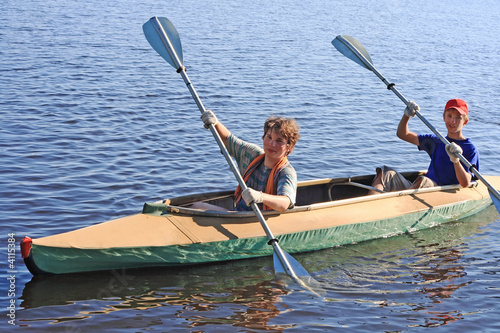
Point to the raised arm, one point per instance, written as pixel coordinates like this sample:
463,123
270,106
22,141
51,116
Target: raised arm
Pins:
209,118
403,131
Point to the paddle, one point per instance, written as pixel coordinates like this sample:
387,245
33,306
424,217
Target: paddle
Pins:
163,37
355,51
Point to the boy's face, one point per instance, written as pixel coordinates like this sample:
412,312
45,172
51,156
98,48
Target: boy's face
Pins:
275,145
454,121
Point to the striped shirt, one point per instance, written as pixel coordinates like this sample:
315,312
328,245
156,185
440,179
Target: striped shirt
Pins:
244,153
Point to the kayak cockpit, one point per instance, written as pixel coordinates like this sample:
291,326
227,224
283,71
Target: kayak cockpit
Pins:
309,193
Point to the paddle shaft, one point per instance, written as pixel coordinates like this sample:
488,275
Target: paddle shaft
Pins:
182,70
392,87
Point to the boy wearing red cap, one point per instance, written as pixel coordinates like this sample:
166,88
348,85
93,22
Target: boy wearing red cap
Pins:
445,167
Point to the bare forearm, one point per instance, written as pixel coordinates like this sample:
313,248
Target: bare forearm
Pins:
276,202
404,133
223,131
464,178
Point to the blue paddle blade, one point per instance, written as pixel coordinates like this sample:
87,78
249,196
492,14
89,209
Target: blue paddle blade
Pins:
294,264
348,46
158,43
302,277
495,200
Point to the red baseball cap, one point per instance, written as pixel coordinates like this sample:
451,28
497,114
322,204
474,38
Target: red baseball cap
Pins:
458,105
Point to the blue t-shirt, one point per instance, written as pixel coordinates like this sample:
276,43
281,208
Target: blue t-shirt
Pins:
441,169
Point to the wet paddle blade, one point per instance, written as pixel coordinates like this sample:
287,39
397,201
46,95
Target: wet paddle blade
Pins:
302,277
158,43
352,49
294,264
494,198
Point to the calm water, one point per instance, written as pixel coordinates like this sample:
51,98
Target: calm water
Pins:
95,123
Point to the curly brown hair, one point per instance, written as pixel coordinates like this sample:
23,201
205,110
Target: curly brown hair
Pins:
286,127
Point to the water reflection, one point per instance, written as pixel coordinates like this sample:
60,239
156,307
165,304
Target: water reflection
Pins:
200,295
444,271
414,274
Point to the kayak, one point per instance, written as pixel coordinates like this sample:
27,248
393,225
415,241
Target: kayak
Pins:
328,213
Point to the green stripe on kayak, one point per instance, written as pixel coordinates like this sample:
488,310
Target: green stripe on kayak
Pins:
68,260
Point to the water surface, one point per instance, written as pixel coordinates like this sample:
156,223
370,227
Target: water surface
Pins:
95,123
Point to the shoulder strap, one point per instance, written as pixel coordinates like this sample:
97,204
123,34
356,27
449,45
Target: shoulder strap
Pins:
273,176
250,169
